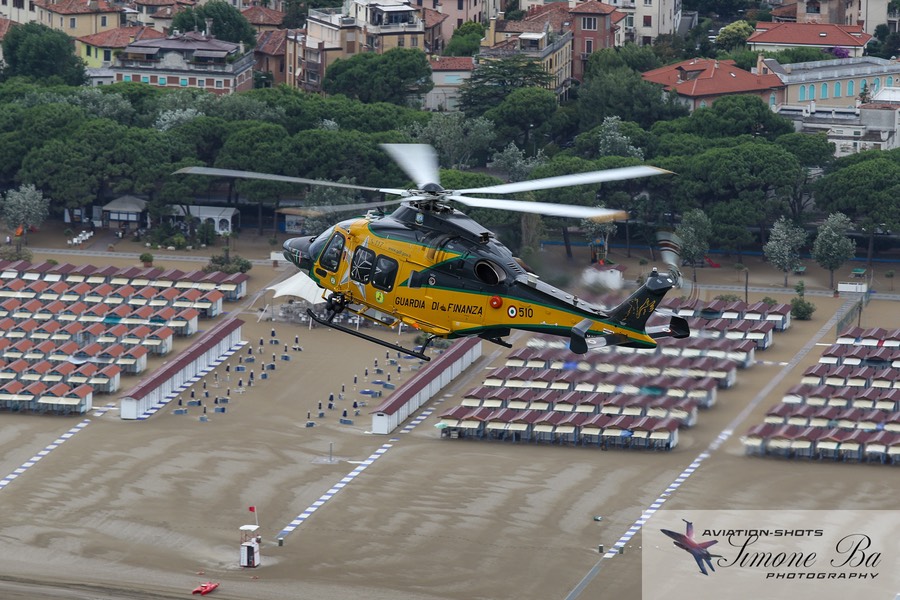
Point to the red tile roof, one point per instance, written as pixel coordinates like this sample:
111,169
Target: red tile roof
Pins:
785,11
272,43
708,77
78,7
121,37
452,63
593,7
260,15
809,34
5,24
433,17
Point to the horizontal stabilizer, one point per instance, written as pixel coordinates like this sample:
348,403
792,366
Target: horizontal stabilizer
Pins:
578,345
677,328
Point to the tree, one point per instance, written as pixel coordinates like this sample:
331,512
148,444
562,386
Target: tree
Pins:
608,139
624,93
512,161
455,138
228,23
522,111
397,76
814,153
25,207
466,40
734,34
601,231
493,80
865,188
783,247
34,50
832,247
694,231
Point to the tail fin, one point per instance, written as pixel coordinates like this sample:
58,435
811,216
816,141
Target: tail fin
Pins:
634,312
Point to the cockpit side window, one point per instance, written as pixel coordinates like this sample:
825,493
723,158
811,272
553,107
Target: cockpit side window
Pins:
331,256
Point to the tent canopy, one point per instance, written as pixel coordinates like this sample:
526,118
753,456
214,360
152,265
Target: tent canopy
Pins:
301,286
126,204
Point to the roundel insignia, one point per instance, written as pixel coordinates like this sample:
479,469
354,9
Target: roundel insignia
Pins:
379,297
511,311
431,280
333,281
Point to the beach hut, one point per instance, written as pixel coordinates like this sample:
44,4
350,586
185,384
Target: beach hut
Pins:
664,435
779,442
780,316
617,433
876,447
107,379
13,396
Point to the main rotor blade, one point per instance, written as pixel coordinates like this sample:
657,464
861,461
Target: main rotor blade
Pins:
419,161
283,178
314,211
545,208
567,180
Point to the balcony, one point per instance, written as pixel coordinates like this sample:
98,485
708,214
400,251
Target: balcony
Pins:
237,66
332,16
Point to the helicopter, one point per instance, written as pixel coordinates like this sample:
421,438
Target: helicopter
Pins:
431,267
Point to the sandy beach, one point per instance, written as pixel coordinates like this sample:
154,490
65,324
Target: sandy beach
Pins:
149,509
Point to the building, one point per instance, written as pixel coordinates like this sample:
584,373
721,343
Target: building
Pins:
646,20
447,73
866,13
829,84
594,28
270,51
18,11
700,82
438,30
146,12
191,59
5,24
774,37
79,17
98,49
545,35
358,26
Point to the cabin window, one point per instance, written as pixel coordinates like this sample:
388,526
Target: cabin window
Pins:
362,265
385,273
331,256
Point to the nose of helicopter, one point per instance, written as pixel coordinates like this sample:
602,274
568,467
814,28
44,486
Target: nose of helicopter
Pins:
296,250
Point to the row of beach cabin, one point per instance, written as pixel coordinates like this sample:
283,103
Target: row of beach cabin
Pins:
846,407
69,332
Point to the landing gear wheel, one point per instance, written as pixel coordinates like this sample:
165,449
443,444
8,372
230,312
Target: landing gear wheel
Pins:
335,303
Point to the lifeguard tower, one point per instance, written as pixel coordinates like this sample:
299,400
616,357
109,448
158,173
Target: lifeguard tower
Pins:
250,546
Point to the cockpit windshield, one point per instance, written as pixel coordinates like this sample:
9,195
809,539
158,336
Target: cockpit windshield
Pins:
315,248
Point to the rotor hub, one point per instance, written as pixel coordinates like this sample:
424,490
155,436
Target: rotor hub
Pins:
433,188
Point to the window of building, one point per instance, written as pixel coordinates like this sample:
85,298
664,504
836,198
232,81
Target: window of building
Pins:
184,82
31,6
72,22
862,85
385,273
802,95
703,104
459,4
812,92
813,8
401,41
588,46
648,20
145,79
201,83
3,3
889,82
218,83
162,80
87,51
648,2
107,55
850,88
414,41
824,93
126,77
772,99
589,23
103,21
876,84
837,89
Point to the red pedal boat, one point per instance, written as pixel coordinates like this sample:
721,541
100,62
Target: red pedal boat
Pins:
205,588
